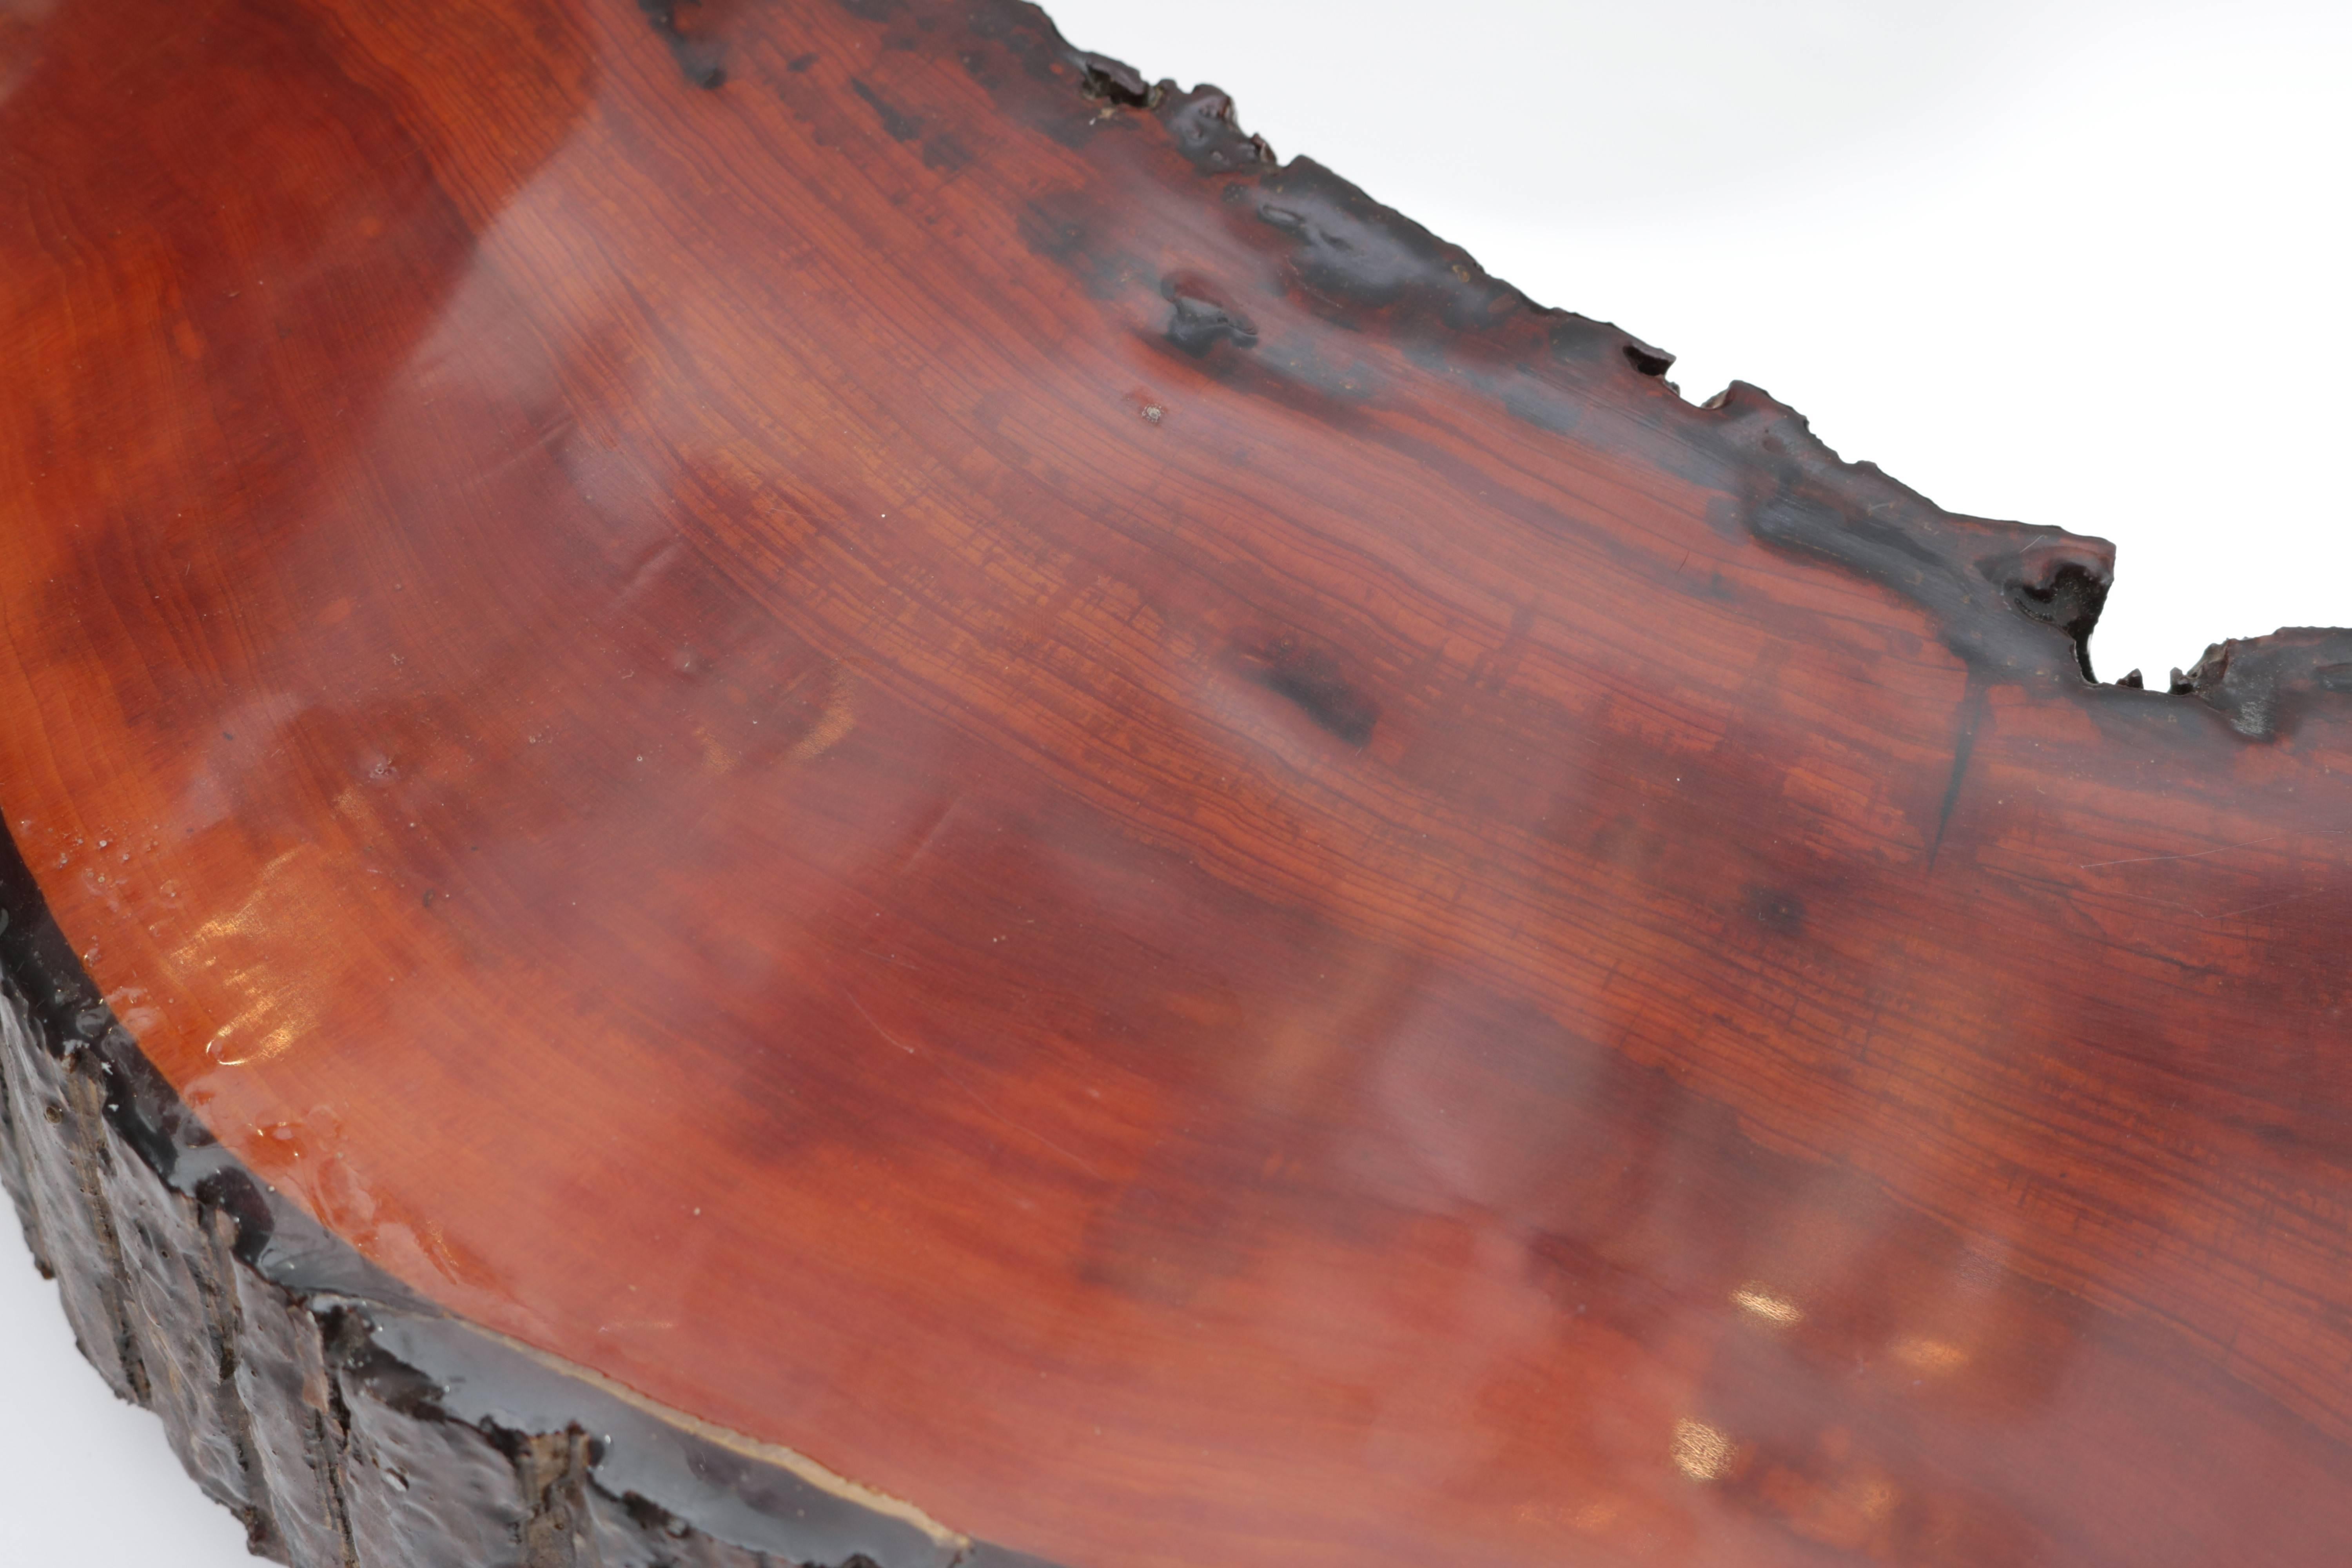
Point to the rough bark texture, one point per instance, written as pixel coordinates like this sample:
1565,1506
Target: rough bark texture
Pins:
292,1377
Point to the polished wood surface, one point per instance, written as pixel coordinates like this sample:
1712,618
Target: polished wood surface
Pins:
828,709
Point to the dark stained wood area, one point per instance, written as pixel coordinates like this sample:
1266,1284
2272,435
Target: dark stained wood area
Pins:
832,712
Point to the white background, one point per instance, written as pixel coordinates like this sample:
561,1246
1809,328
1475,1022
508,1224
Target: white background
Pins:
2068,261
2063,261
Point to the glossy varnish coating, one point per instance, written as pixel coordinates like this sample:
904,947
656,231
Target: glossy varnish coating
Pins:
914,754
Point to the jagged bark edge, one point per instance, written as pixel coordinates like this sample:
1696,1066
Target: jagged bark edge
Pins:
347,1423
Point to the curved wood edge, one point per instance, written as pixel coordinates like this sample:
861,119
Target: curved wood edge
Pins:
346,1422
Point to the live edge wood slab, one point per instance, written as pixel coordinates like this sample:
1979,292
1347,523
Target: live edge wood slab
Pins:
806,783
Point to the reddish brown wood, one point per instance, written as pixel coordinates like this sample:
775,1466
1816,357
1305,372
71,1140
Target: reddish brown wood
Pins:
914,754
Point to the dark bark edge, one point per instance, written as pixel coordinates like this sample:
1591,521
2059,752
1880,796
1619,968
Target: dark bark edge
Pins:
347,1421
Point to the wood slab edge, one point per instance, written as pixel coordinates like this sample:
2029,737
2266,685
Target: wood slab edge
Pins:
347,1423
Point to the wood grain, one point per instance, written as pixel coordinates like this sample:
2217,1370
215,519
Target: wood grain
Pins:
834,712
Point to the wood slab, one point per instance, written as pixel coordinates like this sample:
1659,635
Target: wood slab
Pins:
807,782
